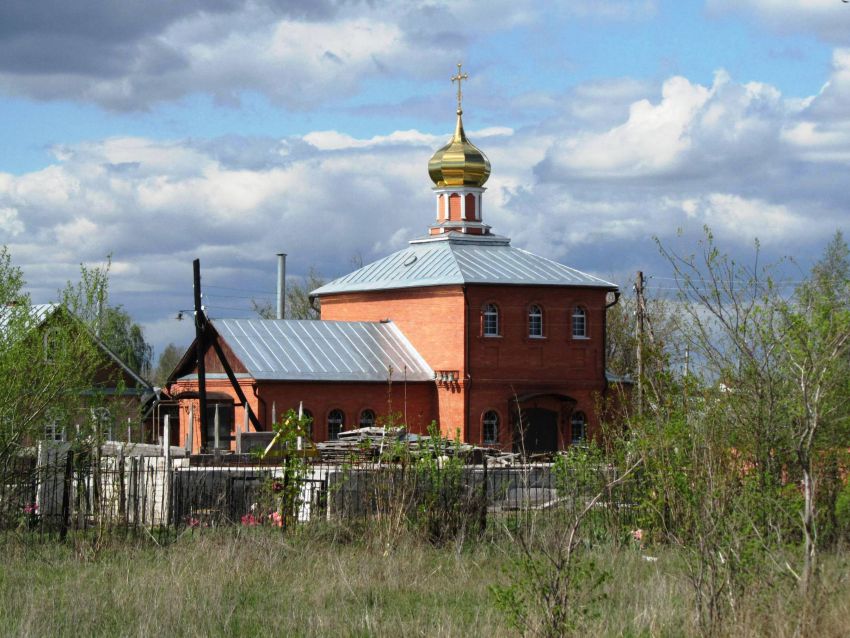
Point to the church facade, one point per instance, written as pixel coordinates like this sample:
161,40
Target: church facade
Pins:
496,345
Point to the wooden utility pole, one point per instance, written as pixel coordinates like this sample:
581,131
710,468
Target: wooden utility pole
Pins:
200,350
205,335
640,283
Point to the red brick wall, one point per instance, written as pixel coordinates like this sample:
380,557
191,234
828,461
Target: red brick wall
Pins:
451,406
416,400
215,388
515,364
515,357
484,396
431,318
499,367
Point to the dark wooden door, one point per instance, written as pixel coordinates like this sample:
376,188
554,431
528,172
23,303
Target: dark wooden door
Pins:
539,431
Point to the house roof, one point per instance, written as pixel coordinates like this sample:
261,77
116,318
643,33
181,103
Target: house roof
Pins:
453,258
304,350
40,313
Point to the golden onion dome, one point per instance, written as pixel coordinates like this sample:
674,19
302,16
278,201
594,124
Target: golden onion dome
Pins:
460,162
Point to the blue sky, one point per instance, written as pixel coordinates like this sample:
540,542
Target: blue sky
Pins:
230,130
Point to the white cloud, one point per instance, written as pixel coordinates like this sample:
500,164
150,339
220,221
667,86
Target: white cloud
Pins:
300,53
10,223
337,141
737,156
736,217
651,141
828,19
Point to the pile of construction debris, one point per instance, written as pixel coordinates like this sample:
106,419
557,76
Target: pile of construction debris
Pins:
372,444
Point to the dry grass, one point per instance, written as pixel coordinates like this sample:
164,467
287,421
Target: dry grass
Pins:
317,583
250,583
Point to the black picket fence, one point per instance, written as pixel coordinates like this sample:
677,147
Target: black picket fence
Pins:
66,492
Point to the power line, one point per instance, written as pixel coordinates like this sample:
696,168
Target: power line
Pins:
221,296
259,292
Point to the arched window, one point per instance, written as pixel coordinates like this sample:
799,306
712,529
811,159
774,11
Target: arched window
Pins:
490,424
490,316
579,323
535,321
367,419
579,427
336,421
225,410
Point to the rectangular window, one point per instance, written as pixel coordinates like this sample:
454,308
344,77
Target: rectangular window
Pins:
53,432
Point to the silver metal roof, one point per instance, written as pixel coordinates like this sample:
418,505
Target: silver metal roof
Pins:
457,259
37,312
304,350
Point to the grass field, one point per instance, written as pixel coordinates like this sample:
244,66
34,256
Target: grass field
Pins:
323,582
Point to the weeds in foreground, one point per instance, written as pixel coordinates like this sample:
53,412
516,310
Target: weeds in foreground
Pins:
328,580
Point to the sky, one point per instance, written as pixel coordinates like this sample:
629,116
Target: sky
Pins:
156,132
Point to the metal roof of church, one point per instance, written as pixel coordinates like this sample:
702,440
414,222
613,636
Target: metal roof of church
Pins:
304,350
452,258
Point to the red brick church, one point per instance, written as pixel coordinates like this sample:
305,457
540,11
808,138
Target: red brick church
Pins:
459,327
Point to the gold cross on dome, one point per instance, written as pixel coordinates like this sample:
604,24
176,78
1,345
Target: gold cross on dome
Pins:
460,77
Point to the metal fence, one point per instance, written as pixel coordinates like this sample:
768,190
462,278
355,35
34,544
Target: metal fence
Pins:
63,491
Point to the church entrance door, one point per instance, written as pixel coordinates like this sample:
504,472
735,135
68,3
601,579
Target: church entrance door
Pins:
539,431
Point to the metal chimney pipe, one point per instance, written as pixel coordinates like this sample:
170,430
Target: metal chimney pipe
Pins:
281,284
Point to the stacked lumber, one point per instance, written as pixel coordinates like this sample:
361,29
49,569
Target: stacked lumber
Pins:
369,444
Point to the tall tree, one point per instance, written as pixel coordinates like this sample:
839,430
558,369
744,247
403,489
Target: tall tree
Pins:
168,360
815,333
298,303
125,338
780,363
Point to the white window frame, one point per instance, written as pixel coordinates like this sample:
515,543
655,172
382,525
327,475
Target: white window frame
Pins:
535,321
579,320
490,322
53,431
